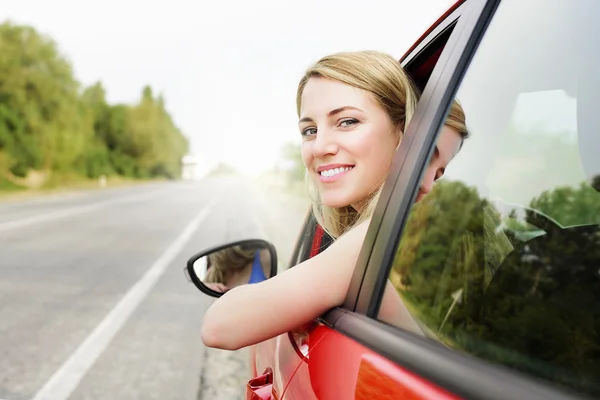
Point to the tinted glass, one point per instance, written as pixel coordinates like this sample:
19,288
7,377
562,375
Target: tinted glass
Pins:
501,259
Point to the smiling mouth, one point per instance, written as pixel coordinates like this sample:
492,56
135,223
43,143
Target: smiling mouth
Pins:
328,173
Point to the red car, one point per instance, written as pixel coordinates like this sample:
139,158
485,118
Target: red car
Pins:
500,263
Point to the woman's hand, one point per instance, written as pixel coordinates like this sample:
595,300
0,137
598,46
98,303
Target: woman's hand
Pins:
216,286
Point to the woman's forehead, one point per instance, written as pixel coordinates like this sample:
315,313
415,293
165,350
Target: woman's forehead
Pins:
322,95
448,143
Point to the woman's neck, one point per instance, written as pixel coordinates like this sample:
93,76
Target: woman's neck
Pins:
358,207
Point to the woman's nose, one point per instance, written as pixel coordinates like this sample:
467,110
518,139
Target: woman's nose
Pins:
428,180
325,144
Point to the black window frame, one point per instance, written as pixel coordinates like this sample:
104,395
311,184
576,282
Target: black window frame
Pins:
393,206
426,46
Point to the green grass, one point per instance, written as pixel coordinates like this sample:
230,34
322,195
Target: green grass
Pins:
62,183
7,186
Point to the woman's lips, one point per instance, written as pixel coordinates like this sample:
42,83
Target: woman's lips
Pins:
333,173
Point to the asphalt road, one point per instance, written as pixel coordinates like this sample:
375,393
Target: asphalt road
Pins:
93,300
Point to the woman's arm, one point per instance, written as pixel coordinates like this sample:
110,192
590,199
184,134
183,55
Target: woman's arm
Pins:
393,311
250,314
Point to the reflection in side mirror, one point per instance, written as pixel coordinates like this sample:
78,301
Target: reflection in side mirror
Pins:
219,269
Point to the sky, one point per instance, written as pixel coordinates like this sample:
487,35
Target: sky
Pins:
228,70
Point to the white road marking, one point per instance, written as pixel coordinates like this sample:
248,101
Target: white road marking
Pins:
51,216
67,377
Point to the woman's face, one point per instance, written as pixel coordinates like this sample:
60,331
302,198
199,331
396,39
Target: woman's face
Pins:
446,147
348,141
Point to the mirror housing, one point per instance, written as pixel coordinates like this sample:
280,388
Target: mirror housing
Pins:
235,263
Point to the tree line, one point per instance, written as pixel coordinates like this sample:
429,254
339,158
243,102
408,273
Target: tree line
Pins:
50,122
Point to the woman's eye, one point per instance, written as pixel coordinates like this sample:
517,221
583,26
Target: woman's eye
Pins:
309,131
348,122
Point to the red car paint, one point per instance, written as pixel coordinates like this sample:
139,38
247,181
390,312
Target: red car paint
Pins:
341,368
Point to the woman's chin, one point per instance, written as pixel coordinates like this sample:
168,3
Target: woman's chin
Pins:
336,201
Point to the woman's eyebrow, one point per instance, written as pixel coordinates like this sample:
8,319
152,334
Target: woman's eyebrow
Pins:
339,110
331,113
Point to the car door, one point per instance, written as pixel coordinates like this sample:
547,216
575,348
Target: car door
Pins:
499,263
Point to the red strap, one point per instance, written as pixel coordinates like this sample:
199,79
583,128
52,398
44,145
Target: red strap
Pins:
316,244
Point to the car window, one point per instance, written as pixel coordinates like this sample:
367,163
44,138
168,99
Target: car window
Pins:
502,259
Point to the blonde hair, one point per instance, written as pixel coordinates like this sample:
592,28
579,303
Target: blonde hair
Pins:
456,120
234,258
391,87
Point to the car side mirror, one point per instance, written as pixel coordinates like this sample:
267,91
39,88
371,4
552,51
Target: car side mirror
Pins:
219,269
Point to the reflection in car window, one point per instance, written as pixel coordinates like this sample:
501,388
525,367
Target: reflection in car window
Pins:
502,259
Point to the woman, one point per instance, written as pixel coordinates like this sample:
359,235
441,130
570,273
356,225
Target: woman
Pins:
353,108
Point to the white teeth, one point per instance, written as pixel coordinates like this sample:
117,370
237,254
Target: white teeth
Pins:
335,171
